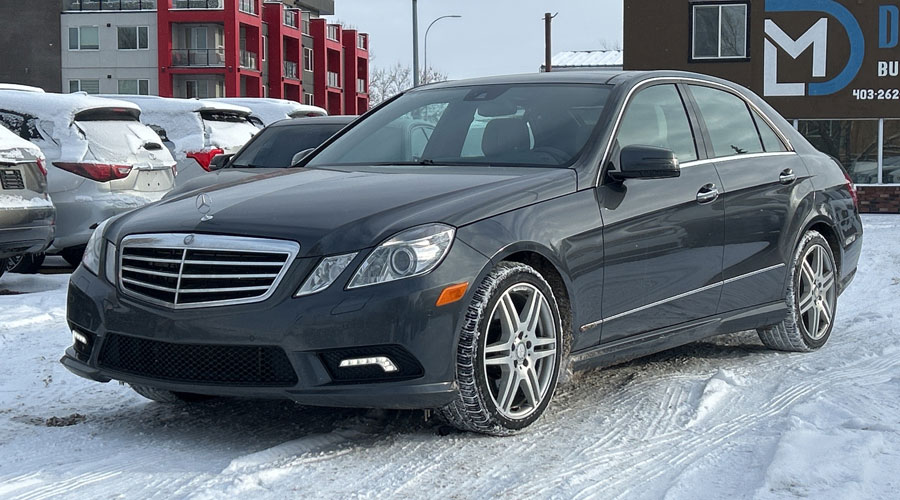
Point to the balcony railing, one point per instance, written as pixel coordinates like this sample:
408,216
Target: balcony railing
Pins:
290,18
290,70
110,5
332,33
199,4
360,86
198,57
247,6
334,79
249,60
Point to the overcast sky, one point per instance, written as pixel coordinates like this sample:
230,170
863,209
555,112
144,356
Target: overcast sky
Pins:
493,37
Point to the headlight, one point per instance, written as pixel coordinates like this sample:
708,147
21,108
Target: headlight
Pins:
93,250
413,252
325,273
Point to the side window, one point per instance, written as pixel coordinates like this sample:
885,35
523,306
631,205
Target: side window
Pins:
729,122
770,140
22,125
418,139
656,117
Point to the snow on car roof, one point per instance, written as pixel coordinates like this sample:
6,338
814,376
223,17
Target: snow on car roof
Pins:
156,104
11,146
270,110
22,88
57,107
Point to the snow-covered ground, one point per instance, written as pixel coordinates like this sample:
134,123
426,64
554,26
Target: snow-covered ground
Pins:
721,418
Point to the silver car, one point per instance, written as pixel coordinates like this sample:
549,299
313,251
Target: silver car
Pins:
26,212
266,110
102,160
195,130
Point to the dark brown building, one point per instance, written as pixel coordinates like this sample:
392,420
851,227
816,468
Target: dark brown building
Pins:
29,43
832,67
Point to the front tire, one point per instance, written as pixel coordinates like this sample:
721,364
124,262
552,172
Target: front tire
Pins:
26,264
73,255
811,298
510,353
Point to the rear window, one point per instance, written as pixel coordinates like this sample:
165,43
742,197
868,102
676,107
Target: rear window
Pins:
108,115
275,147
227,130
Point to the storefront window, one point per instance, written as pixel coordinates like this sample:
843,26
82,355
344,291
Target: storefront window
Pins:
853,142
891,170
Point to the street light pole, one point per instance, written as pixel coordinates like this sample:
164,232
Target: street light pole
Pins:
454,16
415,17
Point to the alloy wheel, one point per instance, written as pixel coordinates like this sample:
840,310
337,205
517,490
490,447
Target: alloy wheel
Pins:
816,292
520,351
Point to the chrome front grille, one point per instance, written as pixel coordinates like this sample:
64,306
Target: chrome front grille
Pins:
198,270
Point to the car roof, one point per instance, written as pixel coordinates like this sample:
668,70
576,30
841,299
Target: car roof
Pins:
157,104
285,105
563,77
9,141
50,105
316,120
22,88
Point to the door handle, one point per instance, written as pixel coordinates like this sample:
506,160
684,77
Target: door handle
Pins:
707,194
787,176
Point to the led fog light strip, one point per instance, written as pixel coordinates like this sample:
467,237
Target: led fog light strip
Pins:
79,337
383,361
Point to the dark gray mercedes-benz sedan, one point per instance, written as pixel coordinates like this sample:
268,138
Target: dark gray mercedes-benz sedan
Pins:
547,223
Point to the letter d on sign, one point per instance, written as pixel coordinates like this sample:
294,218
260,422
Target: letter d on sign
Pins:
888,26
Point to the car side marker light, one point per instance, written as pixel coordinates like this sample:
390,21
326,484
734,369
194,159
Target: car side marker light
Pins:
452,293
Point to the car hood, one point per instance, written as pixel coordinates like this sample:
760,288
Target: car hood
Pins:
330,211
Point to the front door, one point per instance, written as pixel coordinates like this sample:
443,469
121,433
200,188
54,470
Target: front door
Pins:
663,238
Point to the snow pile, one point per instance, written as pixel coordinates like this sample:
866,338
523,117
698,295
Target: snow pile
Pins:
269,110
13,147
824,424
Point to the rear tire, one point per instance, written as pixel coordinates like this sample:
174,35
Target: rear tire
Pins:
26,264
163,396
811,299
73,255
2,266
510,353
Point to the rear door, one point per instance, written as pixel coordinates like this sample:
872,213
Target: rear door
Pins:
762,181
662,237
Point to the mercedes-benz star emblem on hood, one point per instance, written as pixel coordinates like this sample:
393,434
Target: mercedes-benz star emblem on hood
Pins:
204,205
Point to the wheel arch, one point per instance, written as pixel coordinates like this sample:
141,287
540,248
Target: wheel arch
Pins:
826,228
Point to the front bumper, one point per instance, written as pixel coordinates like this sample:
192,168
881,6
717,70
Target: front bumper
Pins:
391,317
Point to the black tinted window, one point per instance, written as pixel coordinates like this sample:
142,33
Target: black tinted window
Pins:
20,124
770,139
656,117
729,122
275,147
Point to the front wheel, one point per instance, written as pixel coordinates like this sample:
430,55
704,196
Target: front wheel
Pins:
26,264
811,299
510,353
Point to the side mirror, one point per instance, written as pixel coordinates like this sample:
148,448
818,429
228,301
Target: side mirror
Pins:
300,156
219,161
646,162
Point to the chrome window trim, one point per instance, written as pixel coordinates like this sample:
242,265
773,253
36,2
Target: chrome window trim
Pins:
736,157
202,242
588,326
675,80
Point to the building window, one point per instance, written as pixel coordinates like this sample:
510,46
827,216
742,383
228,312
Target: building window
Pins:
70,5
304,23
362,42
854,143
719,31
247,6
84,38
265,48
89,86
309,99
134,87
332,33
307,59
198,4
134,37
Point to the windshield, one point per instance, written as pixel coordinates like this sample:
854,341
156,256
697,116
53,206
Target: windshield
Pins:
228,131
501,125
275,147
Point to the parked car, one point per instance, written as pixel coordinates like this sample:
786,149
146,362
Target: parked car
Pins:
266,111
26,212
606,216
195,130
101,160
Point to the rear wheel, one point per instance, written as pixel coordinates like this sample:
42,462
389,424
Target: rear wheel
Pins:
811,299
73,255
162,396
26,264
3,265
510,352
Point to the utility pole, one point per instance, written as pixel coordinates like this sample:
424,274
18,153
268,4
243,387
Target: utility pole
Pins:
548,55
415,15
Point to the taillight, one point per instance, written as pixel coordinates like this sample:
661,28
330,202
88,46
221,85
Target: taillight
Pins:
99,172
205,157
852,188
41,166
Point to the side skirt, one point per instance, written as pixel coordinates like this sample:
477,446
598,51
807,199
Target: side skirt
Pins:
667,338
